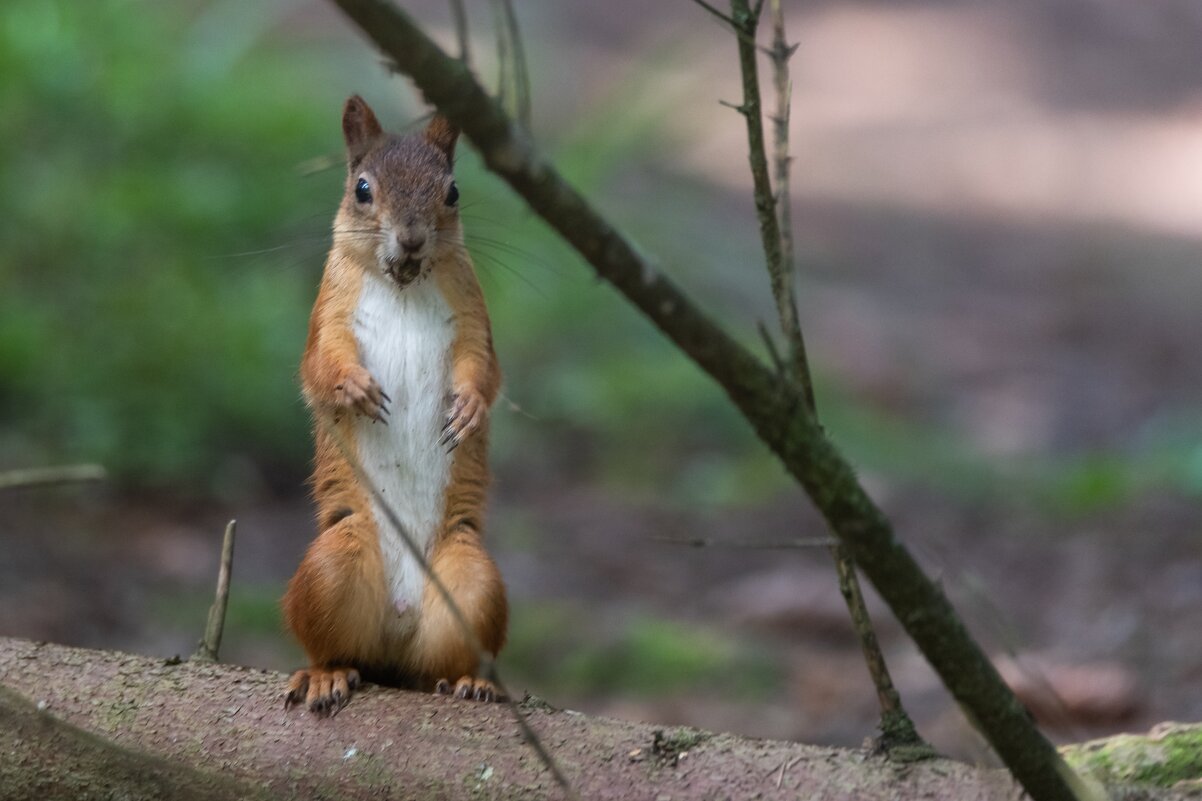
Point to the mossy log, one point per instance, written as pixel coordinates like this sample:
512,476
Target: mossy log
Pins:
83,724
1169,756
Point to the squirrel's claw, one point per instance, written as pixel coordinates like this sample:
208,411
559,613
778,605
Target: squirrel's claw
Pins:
468,411
324,692
469,688
360,392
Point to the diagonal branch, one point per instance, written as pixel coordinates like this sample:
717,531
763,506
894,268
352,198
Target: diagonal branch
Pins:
771,409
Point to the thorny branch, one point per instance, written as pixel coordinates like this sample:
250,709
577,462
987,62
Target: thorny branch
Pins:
780,269
897,729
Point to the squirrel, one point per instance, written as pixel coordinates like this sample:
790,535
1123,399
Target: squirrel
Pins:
398,370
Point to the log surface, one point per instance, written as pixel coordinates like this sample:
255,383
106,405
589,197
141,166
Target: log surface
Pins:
113,720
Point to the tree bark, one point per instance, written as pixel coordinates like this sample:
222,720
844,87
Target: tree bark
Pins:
112,725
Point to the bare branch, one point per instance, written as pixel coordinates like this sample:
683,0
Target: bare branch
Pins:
725,20
773,353
210,644
780,268
702,542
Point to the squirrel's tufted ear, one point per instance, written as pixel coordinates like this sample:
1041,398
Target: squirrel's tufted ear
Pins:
359,127
442,134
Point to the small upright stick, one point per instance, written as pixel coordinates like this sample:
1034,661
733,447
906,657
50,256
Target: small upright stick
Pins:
206,649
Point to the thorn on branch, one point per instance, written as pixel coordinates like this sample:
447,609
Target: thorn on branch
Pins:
739,108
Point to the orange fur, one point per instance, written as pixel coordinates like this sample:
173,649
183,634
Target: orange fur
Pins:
338,603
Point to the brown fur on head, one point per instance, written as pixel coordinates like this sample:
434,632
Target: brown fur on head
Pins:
401,202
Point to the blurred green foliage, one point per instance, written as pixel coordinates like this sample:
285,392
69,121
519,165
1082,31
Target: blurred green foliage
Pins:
565,648
134,164
165,218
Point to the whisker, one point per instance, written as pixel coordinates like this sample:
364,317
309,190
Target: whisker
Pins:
488,258
260,252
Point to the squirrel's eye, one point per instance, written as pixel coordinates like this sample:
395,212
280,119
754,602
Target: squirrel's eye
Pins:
453,195
363,191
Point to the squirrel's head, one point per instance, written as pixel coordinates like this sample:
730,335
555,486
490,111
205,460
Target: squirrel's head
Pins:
401,204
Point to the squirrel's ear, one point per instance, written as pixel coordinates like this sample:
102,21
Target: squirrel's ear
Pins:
442,134
359,127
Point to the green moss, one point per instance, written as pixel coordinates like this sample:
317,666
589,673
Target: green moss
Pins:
669,745
1171,753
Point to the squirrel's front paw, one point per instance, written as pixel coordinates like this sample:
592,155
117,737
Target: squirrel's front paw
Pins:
359,391
468,411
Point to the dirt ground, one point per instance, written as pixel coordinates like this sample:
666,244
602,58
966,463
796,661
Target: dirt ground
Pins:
999,215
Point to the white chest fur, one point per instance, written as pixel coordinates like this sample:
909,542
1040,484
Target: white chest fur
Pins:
404,341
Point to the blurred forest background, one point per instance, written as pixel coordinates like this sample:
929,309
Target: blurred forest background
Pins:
999,211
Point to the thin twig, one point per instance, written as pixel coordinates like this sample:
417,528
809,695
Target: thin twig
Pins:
210,644
461,32
42,476
780,53
726,22
513,79
716,13
702,542
487,662
784,766
897,729
779,270
773,353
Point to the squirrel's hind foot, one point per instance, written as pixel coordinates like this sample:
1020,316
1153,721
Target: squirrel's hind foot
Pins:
470,688
324,691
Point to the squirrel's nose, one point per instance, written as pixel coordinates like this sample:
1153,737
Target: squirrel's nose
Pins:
413,244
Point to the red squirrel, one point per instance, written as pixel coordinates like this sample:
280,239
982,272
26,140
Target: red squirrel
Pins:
399,370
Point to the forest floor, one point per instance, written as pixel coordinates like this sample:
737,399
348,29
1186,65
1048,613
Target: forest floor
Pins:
1102,609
